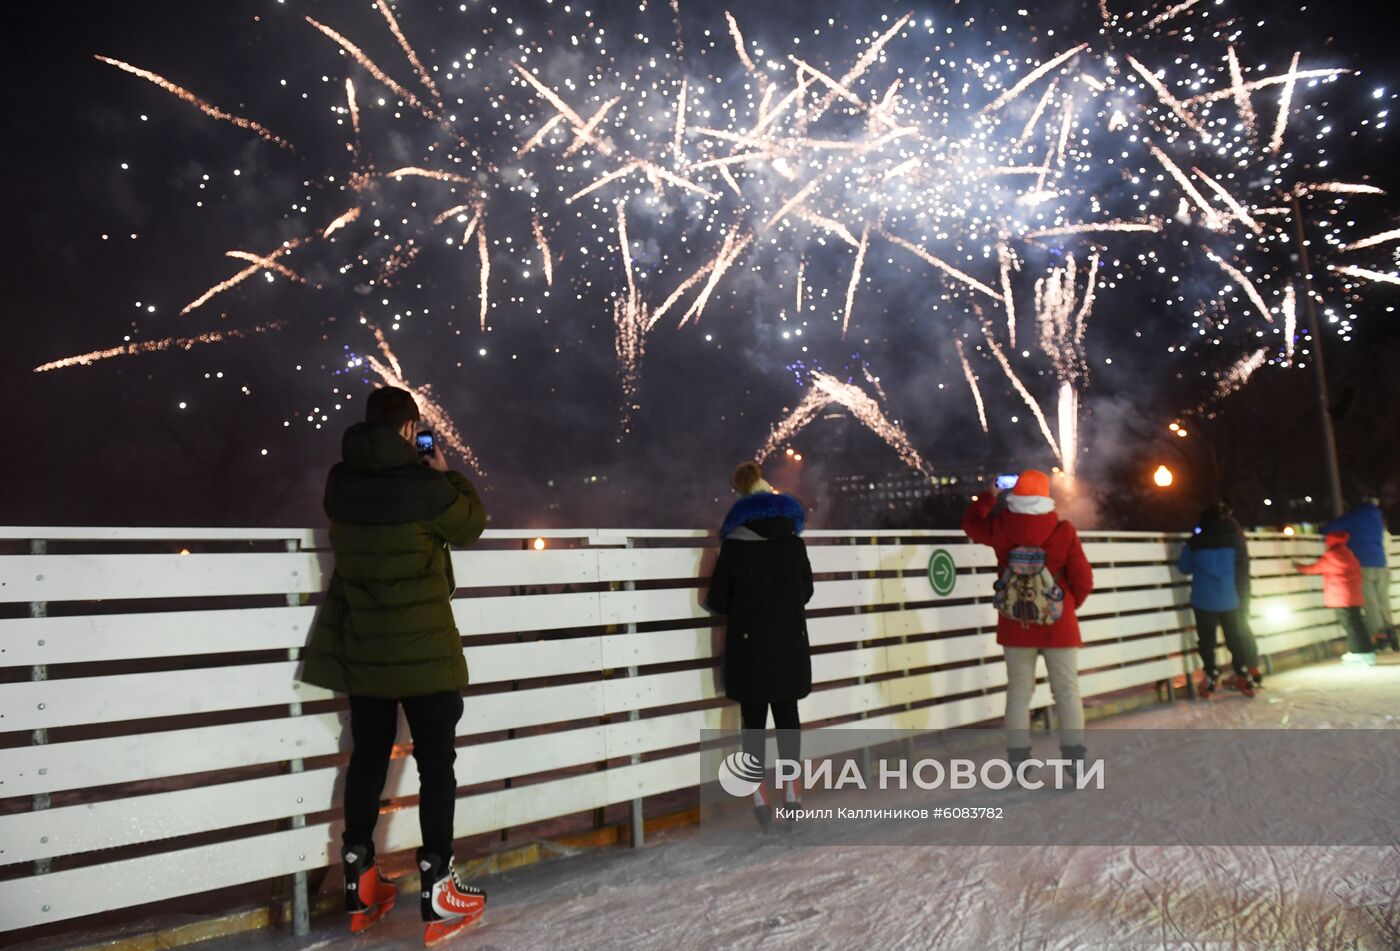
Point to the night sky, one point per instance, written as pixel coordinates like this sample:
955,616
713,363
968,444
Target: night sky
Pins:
126,201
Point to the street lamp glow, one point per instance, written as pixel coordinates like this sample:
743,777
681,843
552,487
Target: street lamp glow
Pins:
539,544
1162,477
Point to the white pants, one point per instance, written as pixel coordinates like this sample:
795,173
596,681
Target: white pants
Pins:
1063,665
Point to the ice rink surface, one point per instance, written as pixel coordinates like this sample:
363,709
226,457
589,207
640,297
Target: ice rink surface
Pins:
679,894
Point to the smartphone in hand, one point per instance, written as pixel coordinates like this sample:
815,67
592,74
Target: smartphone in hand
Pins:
425,442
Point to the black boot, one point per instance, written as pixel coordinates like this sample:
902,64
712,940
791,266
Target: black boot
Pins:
1015,756
1075,755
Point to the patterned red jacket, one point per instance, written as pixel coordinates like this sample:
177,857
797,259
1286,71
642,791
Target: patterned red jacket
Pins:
1341,574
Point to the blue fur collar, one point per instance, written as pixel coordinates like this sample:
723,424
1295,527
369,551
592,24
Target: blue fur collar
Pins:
763,505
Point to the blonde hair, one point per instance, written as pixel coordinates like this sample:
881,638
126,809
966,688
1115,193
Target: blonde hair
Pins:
746,476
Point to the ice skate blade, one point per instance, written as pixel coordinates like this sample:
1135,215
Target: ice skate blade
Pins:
437,932
360,920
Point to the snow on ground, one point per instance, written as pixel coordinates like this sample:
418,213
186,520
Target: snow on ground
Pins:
777,893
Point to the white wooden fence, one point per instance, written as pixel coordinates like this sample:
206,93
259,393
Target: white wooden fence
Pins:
150,698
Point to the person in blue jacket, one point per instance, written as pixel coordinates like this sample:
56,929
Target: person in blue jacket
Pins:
1368,537
1209,558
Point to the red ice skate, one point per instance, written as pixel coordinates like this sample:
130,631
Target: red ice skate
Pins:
368,895
448,904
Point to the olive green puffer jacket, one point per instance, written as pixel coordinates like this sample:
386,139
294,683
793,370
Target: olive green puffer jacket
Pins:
386,628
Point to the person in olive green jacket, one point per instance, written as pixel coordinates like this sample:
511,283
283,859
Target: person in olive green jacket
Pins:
385,636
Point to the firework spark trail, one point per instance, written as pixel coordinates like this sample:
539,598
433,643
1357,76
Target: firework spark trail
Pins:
739,43
729,180
240,277
1212,216
801,279
630,324
1238,210
855,280
1285,102
806,411
680,291
1284,79
546,259
680,123
584,136
1007,258
1038,112
1290,323
155,346
656,171
837,89
1245,283
604,146
1242,103
352,105
830,224
1177,107
801,195
919,252
352,215
1366,274
432,411
267,264
484,253
612,176
1025,393
408,51
729,252
1029,79
1063,144
1081,319
1239,374
1168,14
1068,413
474,206
385,349
826,390
1154,224
874,381
1340,188
871,53
1372,241
539,135
208,108
370,66
433,173
972,384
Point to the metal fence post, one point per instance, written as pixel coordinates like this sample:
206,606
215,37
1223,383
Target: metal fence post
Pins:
301,903
636,814
37,673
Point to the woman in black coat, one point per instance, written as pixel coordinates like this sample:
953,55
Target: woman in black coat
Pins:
761,583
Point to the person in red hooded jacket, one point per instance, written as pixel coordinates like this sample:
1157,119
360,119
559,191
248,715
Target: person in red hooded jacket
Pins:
1024,518
1343,590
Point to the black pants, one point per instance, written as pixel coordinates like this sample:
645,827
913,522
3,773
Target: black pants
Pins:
754,719
1358,641
432,721
1251,646
1241,651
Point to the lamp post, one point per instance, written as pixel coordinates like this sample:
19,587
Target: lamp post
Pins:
1329,439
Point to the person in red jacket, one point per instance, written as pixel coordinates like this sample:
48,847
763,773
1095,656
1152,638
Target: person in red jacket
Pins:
1022,528
1342,589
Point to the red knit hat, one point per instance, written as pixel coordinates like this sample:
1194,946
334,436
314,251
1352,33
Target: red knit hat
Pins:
1032,482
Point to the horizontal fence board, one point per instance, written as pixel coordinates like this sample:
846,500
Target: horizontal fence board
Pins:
127,576
107,637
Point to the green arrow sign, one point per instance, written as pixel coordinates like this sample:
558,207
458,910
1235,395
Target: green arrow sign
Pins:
942,572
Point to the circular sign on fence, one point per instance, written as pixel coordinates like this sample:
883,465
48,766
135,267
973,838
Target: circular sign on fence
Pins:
942,572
